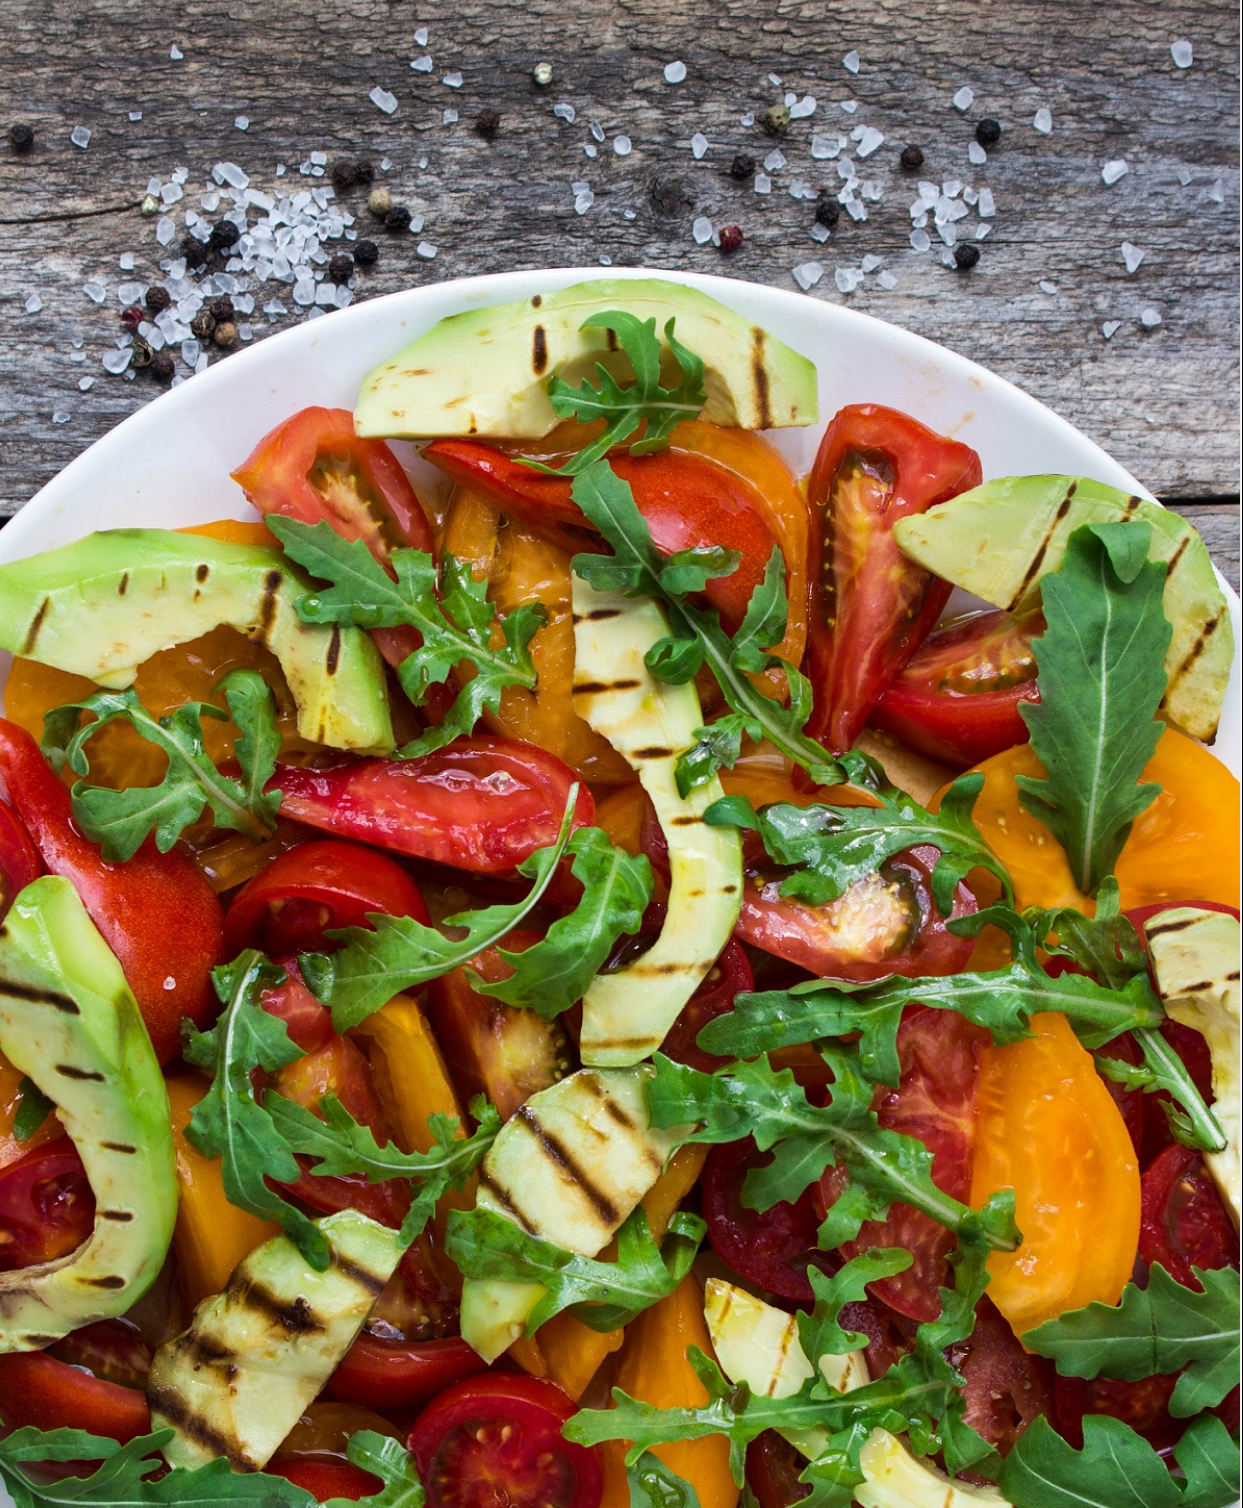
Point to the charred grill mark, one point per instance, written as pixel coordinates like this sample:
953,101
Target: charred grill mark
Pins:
1194,653
759,376
598,615
84,1075
687,819
202,572
362,1277
1178,555
539,351
333,658
119,1146
37,1342
652,751
623,1118
1132,505
1179,926
1037,560
657,969
556,1151
169,1403
122,1217
36,625
112,1280
294,1315
204,1351
595,688
36,996
1199,988
267,608
729,889
123,584
537,301
505,1199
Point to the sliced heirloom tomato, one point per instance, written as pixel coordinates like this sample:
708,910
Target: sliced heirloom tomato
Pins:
958,699
1184,1223
326,1478
939,1056
483,804
383,1372
872,607
20,863
1006,1388
47,1206
497,1439
41,1390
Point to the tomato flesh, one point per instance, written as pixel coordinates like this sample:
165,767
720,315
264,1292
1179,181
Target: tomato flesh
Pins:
1006,1388
47,1206
380,1373
325,1477
39,1389
1184,1223
19,858
771,1248
729,977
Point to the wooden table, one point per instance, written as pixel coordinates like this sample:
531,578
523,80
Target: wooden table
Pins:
1161,398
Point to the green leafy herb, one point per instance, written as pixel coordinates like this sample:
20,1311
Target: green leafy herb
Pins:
751,1099
1003,1000
451,611
389,1460
1101,679
119,820
624,409
603,1295
820,1332
1119,1469
835,847
1160,1329
698,638
344,1147
653,1485
229,1122
34,1109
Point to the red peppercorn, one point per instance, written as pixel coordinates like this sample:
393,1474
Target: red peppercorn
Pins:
732,238
133,316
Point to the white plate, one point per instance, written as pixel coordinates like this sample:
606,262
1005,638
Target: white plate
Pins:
168,465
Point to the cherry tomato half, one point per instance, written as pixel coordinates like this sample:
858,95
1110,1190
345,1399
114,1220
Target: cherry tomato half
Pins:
958,699
1144,1405
381,1373
47,1206
483,804
326,1477
38,1389
1184,1222
497,1439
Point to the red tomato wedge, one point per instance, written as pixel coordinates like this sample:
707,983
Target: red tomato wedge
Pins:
47,1206
37,1389
1183,1222
379,1373
20,863
872,607
326,1477
770,1248
1006,1387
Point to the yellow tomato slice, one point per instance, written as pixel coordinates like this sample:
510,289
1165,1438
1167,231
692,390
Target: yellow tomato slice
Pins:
1048,1128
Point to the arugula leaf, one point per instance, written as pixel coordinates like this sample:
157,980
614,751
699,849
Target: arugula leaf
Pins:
1101,675
228,1122
820,1332
34,1109
1209,1459
400,953
837,846
751,1099
458,623
389,1460
637,569
603,1295
1161,1329
624,409
345,1147
653,1485
1003,1000
119,821
552,974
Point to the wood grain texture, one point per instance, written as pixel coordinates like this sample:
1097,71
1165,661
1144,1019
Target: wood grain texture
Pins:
1162,401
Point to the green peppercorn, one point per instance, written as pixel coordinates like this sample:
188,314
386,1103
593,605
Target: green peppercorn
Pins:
141,354
225,334
776,119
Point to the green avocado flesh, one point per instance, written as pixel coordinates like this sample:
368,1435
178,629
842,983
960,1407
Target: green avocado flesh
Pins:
999,539
69,1022
486,372
102,605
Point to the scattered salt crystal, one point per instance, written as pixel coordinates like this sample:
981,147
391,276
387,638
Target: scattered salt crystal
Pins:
929,193
453,80
976,153
887,280
583,202
171,193
952,187
1132,256
179,175
426,250
855,210
304,291
849,106
870,262
383,100
628,214
423,64
621,145
775,80
320,159
851,61
807,274
675,72
326,296
987,208
135,115
801,189
33,304
846,168
116,361
847,279
819,232
870,140
244,303
947,257
774,161
96,292
918,221
1114,170
175,53
597,130
448,118
1184,176
1218,191
229,173
948,231
823,147
565,112
920,240
190,351
605,260
702,230
211,202
1042,121
130,293
590,149
85,384
804,107
699,145
60,417
80,137
201,364
1047,287
1110,328
242,122
790,98
763,184
969,196
748,119
420,36
126,261
1181,53
964,99
1150,319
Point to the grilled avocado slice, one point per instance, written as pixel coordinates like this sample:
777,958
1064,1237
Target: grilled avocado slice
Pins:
69,1022
236,1382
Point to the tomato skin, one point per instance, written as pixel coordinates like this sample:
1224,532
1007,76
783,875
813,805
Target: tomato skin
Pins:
47,1206
332,884
156,911
1184,1223
483,804
308,1023
1006,1388
37,1389
326,1477
729,977
378,1373
958,699
770,1248
497,1439
20,863
872,607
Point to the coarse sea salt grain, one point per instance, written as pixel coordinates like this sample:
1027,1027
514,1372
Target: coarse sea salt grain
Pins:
870,140
976,154
824,147
851,61
126,261
969,196
854,209
423,64
116,361
1114,170
1110,328
135,115
920,240
847,279
583,202
807,274
590,149
80,136
383,100
242,122
1181,53
1042,121
699,145
96,292
1184,176
986,208
33,304
453,80
565,111
964,99
1217,193
1132,256
420,36
60,417
675,72
1047,287
596,129
819,232
775,161
748,119
763,184
870,262
887,280
849,106
702,230
1150,318
175,53
621,146
448,118
85,384
804,107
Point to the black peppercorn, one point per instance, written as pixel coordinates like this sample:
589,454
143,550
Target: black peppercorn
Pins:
828,211
225,334
364,173
966,256
775,119
731,238
157,298
194,251
344,176
487,121
988,132
340,267
398,218
743,166
224,235
366,253
203,326
21,137
220,307
162,366
912,158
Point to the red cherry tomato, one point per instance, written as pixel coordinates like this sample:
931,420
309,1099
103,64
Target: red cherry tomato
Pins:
47,1207
687,500
729,977
156,911
384,1374
1183,1222
1006,1388
326,1477
497,1439
313,888
959,698
939,1053
38,1389
770,1248
483,804
872,607
886,926
19,858
773,1467
112,1350
308,1023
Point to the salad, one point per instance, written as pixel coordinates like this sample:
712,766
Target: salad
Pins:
600,983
